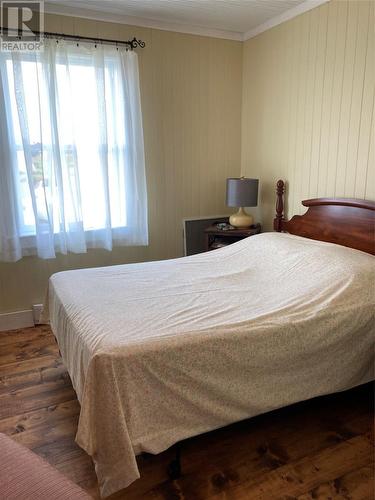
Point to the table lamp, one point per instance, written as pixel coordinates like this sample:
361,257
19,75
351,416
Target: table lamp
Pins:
242,192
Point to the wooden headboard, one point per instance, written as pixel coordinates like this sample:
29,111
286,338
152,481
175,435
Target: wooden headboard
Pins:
345,221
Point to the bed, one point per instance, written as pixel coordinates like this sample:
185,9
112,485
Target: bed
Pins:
162,351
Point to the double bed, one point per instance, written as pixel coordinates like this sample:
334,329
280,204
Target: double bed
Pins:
162,351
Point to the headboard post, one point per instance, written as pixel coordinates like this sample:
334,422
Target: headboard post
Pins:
277,223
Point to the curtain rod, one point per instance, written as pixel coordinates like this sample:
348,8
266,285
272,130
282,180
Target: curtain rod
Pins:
132,44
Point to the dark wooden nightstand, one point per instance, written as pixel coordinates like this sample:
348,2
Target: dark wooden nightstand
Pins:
217,238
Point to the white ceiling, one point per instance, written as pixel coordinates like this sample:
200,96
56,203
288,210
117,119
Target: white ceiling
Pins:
233,19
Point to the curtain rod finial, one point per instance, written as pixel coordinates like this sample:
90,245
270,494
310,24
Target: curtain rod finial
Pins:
137,43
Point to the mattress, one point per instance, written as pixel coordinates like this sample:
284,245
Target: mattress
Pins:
161,351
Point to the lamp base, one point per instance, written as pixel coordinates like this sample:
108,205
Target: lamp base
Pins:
241,219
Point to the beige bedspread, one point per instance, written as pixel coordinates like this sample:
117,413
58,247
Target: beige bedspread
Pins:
162,351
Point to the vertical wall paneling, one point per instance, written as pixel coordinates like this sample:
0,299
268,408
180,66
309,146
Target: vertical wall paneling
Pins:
364,181
322,92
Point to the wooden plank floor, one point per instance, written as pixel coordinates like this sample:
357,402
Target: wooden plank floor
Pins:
319,449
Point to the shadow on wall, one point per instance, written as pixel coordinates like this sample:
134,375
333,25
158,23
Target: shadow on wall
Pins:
266,206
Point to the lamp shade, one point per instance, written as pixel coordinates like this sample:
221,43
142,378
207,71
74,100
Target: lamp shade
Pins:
242,192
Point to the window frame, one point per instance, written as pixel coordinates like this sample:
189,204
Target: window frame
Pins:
27,232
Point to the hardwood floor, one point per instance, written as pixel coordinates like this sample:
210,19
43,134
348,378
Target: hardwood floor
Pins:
318,449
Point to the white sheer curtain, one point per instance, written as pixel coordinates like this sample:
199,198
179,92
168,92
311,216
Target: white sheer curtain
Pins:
72,173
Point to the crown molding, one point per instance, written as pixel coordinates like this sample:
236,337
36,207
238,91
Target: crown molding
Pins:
141,22
115,17
282,18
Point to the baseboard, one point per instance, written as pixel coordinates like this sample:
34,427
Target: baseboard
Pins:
15,320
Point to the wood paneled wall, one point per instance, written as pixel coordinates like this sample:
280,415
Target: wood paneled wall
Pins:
308,106
191,103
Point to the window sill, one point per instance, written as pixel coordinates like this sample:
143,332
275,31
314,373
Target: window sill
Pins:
28,241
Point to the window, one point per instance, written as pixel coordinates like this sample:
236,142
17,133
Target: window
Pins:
75,141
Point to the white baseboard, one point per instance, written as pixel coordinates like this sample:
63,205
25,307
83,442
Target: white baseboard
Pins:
15,320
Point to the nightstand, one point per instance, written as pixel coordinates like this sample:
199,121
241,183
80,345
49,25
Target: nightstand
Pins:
217,238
